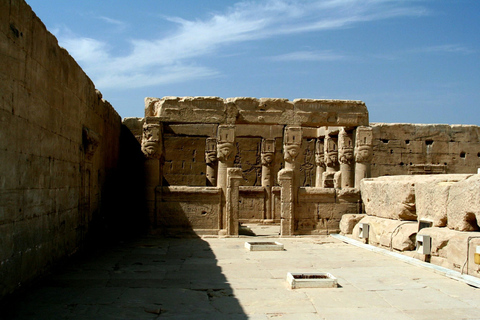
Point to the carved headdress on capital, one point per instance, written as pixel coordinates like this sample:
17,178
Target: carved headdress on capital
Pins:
268,152
331,149
345,146
152,139
364,145
320,152
211,151
226,143
292,143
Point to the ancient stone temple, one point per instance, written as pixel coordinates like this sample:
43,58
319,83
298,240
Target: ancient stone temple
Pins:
212,163
74,173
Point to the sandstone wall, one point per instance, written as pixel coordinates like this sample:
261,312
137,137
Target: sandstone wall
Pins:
59,150
401,149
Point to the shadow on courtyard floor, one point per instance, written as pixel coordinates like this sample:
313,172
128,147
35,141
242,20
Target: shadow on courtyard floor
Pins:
148,278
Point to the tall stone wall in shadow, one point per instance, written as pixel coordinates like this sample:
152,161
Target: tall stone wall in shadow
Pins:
59,150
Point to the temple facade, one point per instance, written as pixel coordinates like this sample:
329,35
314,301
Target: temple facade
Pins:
212,163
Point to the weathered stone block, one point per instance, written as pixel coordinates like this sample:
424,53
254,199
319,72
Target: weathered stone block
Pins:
389,197
463,205
399,235
190,109
349,221
431,196
348,195
264,110
452,245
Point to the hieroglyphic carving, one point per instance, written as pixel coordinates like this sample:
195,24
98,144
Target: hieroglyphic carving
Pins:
256,168
307,166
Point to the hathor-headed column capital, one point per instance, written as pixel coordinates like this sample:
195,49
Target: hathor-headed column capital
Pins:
152,140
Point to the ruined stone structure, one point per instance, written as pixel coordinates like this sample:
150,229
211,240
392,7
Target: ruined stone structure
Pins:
402,148
70,171
208,152
445,207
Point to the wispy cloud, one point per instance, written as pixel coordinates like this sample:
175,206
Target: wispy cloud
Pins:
308,56
445,48
112,21
172,58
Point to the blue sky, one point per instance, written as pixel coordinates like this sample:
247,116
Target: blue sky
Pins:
412,61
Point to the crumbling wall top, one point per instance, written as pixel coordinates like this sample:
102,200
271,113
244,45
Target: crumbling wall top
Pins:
246,110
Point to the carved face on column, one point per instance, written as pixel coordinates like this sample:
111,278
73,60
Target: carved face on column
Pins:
211,157
267,159
364,145
225,151
151,141
331,159
346,156
291,152
320,159
363,153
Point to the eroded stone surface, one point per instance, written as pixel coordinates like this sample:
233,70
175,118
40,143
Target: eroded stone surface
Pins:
389,233
432,194
349,221
463,207
389,197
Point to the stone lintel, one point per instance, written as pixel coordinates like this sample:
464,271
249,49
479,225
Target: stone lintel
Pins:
259,130
197,129
300,112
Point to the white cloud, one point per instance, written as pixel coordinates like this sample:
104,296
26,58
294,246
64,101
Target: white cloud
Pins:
172,58
308,56
112,21
445,48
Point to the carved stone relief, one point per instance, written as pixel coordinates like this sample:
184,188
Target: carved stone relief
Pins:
151,141
307,168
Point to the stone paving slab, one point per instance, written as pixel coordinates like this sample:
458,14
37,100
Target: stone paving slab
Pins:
217,278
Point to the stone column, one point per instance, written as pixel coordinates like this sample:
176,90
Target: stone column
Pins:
292,141
211,160
319,161
268,155
287,219
152,148
345,157
331,159
226,155
234,177
363,153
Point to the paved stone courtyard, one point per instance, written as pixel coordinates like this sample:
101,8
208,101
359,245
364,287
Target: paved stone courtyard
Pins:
217,278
